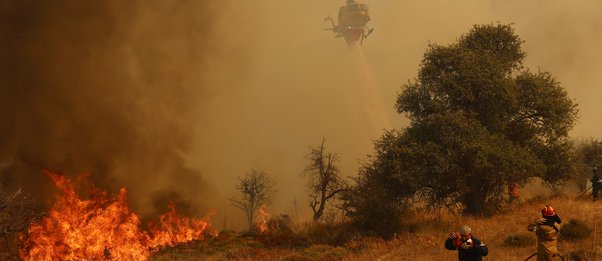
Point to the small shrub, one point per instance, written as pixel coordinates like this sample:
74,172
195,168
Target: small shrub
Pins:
280,233
519,240
331,234
575,230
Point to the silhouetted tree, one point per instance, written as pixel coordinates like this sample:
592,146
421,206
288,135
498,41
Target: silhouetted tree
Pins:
324,180
256,189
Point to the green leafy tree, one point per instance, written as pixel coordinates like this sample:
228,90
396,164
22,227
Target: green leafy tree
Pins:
479,122
379,199
592,152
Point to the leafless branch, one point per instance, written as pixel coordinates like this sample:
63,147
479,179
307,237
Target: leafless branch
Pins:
324,178
256,189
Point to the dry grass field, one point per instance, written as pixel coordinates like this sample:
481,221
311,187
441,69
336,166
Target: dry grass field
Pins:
427,243
424,242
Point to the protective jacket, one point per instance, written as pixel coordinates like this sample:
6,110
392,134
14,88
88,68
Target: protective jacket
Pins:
474,253
547,240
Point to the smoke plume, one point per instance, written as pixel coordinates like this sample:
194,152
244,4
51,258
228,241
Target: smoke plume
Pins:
174,99
110,88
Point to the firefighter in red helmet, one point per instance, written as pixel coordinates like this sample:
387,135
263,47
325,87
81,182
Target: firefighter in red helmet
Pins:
547,234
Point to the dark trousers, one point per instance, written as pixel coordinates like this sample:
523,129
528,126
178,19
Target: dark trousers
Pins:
595,193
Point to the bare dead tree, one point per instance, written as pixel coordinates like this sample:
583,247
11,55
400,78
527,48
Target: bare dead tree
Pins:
324,178
256,189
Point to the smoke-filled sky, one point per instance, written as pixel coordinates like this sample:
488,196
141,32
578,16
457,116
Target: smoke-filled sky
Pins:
177,98
105,87
297,86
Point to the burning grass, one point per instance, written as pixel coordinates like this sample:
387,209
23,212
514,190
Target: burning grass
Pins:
102,228
424,243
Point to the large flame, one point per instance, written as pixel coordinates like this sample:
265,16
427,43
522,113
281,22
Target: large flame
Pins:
264,218
102,227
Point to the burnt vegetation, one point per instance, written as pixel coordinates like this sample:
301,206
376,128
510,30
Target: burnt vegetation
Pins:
17,211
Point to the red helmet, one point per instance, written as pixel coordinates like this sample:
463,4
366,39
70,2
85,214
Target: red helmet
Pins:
547,211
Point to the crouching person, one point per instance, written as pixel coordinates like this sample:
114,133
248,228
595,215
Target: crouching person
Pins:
469,248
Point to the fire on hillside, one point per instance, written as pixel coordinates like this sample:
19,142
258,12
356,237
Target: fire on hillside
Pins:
264,218
103,227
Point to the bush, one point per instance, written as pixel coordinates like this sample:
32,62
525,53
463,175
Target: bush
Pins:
575,230
519,240
280,232
336,234
373,211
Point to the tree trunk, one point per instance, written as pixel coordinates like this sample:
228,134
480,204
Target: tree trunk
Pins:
318,214
474,204
474,199
250,212
250,219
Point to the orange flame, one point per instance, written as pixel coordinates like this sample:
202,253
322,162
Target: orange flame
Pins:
174,228
264,217
101,228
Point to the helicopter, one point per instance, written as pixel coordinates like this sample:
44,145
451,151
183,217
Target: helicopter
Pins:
352,21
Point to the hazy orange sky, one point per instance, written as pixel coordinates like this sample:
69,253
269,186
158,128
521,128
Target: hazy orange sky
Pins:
296,88
181,97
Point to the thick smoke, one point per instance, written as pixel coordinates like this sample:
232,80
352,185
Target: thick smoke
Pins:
142,94
105,87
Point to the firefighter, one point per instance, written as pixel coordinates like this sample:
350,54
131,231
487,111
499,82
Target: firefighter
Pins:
469,248
596,184
547,234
